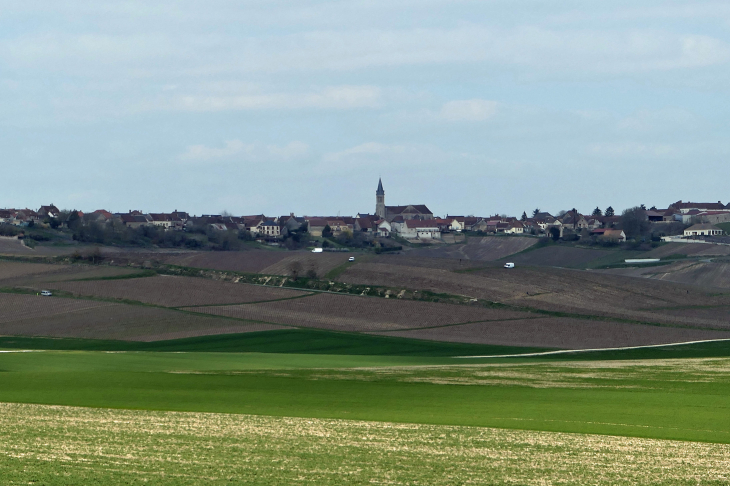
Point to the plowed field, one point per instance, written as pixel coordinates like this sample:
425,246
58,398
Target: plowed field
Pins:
19,274
553,289
27,315
689,249
172,291
252,261
350,313
559,256
321,263
488,248
560,333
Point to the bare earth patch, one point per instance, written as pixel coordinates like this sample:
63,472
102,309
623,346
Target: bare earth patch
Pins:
65,445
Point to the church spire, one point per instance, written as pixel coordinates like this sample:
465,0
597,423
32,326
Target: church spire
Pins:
380,191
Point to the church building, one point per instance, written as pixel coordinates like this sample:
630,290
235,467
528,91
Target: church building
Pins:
403,213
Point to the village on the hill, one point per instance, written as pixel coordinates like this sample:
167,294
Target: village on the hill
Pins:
414,223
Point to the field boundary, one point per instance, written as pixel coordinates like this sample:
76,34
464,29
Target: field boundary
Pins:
578,351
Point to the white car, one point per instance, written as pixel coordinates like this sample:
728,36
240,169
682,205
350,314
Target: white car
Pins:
509,265
317,250
351,259
47,293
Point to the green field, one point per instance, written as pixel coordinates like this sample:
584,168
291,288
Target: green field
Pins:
280,418
666,399
323,407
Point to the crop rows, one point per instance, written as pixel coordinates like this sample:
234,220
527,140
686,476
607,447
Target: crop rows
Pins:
352,313
171,291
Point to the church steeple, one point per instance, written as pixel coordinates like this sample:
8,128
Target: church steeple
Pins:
380,200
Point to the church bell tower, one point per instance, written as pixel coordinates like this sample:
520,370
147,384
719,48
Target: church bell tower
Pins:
380,200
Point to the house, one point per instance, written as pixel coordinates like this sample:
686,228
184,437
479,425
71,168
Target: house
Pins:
685,207
270,229
365,223
165,221
480,225
515,228
99,216
715,217
420,229
292,223
134,220
574,220
383,229
315,225
50,211
703,229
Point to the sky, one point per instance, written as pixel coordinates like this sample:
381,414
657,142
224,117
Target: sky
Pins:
278,106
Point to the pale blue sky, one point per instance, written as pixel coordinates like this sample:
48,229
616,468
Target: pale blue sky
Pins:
471,107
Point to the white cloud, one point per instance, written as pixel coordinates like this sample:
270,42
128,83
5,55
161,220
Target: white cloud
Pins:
236,149
333,98
468,110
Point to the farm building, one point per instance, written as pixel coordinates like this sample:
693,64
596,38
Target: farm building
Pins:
703,229
420,229
609,234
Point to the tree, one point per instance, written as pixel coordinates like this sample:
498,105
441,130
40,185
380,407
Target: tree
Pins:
597,212
653,208
327,231
524,216
295,269
609,211
634,222
643,207
535,212
73,221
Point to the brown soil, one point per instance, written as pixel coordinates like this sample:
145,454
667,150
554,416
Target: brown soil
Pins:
24,315
559,256
172,291
302,262
351,313
560,333
488,248
252,261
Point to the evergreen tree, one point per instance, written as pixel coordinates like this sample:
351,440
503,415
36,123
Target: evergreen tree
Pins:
597,212
524,216
535,212
609,211
643,207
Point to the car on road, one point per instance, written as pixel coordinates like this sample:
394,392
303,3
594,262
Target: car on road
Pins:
351,259
47,293
509,265
317,250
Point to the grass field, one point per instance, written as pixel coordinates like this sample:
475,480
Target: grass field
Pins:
684,399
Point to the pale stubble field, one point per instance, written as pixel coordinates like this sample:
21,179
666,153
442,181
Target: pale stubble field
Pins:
66,445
